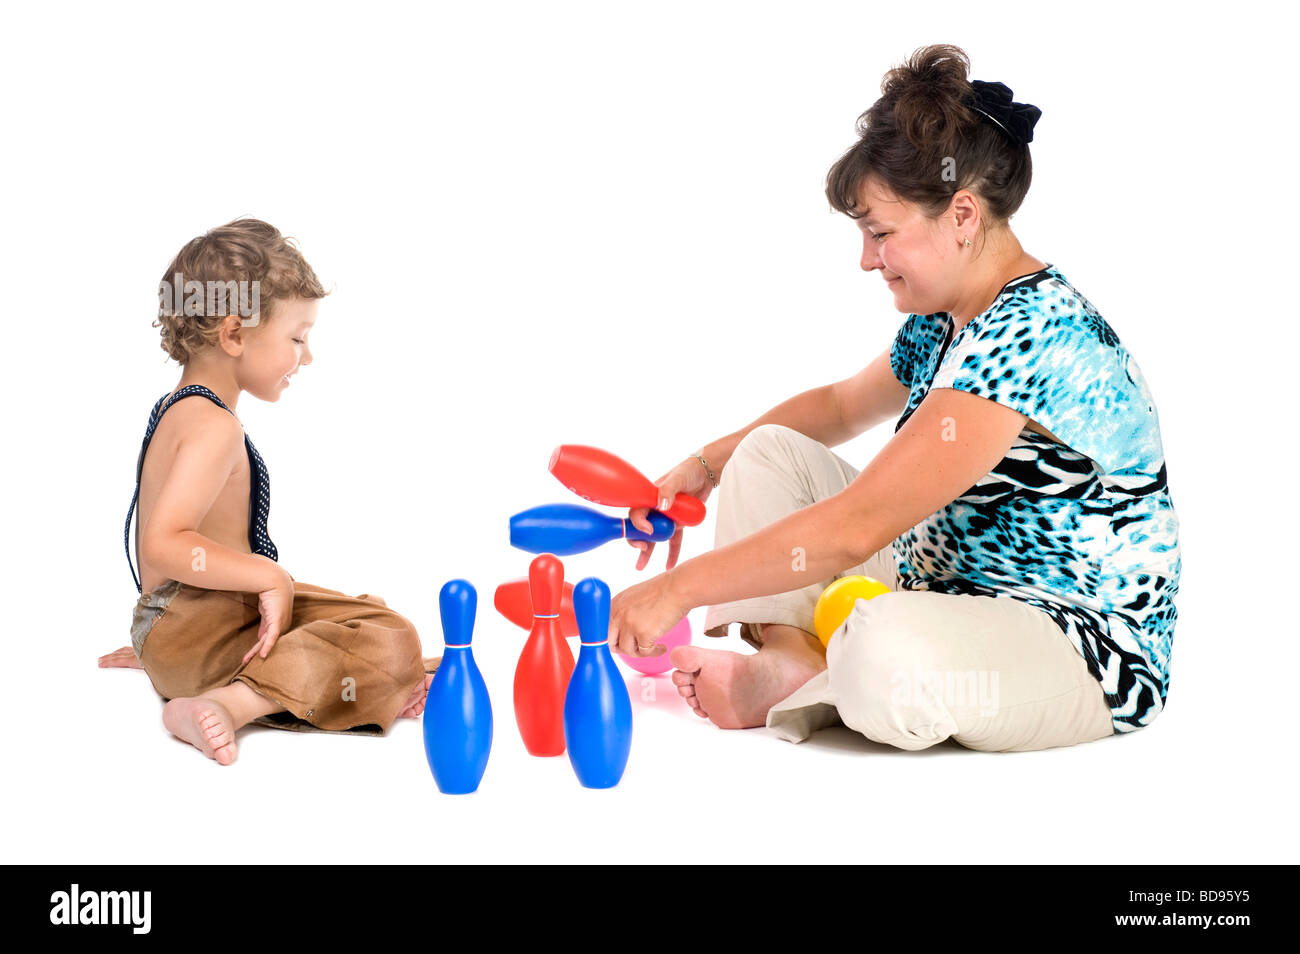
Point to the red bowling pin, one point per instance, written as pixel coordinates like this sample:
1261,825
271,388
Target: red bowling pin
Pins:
514,602
603,478
546,663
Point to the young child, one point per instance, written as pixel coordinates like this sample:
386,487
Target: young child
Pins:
222,630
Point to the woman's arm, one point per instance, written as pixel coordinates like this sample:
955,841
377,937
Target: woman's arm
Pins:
869,397
950,442
830,414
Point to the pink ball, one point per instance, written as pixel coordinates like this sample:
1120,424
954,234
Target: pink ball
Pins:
679,635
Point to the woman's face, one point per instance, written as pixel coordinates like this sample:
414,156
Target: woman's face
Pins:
913,254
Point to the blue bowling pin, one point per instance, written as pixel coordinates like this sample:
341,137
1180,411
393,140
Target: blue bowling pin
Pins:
565,529
597,710
457,712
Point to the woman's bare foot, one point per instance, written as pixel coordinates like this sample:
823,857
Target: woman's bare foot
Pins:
736,691
123,658
205,724
415,703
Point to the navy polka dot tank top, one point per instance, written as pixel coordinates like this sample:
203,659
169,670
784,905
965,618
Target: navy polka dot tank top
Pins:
259,497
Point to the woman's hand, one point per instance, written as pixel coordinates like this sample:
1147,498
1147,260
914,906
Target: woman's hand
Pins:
639,615
276,606
688,477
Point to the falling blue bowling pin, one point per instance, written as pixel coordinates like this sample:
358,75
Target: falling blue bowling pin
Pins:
565,529
457,712
597,710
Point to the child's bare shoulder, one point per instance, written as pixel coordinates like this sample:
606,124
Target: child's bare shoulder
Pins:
199,425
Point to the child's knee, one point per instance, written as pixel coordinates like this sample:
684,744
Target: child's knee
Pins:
406,641
386,640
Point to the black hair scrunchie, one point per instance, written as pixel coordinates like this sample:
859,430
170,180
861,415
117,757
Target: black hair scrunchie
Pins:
993,100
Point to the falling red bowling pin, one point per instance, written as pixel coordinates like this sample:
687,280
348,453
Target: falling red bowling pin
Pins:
515,603
604,478
542,674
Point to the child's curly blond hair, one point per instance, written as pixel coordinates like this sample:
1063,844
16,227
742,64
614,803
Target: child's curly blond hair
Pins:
246,253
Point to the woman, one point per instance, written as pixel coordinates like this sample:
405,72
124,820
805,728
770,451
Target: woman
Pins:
1020,514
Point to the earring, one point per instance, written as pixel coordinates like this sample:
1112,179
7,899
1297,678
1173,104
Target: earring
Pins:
968,243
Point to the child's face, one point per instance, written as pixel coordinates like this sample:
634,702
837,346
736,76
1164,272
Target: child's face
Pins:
275,349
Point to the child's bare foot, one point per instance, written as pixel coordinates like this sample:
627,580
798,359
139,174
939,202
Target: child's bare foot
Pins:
123,658
205,724
736,691
415,703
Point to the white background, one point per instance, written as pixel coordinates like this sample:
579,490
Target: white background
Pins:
605,224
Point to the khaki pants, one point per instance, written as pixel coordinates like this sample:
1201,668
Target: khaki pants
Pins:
907,668
344,663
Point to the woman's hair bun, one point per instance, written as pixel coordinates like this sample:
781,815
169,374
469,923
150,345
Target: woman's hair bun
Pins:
933,133
929,94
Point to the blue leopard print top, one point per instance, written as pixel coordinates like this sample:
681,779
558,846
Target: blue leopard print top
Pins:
1084,530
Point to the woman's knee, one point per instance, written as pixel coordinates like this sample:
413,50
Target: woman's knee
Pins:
886,673
771,448
762,440
883,635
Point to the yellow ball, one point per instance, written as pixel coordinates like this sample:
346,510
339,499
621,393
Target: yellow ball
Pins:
837,601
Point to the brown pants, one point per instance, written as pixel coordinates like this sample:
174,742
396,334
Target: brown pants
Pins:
344,662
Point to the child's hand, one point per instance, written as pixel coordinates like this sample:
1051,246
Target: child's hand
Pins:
123,658
276,607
